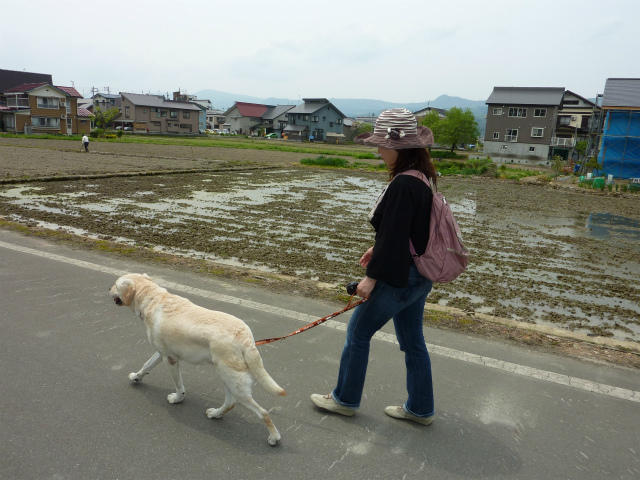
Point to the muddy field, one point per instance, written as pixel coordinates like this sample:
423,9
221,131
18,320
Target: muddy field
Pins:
539,254
20,158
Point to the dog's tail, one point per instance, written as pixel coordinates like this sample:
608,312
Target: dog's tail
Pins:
256,367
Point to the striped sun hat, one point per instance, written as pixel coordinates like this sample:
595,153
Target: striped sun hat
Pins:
397,129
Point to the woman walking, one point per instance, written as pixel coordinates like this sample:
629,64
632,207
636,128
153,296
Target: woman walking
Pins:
392,284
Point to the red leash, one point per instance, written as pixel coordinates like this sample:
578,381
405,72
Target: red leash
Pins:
314,323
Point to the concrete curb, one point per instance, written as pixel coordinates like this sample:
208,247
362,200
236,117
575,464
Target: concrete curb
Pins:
545,329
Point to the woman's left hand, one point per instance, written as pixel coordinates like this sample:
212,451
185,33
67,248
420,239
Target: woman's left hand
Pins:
365,287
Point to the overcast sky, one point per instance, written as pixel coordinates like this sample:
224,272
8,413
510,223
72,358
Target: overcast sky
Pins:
397,50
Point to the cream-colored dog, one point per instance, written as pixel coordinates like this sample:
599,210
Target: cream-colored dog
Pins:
180,330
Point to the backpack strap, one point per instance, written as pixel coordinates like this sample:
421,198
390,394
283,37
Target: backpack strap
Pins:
418,174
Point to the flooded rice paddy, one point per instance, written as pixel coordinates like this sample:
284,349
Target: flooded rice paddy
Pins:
539,254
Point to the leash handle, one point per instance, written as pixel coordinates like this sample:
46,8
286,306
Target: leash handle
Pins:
315,323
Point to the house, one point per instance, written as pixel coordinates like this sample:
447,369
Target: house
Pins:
155,114
43,108
620,145
215,119
204,104
316,117
274,119
420,114
245,118
106,101
532,124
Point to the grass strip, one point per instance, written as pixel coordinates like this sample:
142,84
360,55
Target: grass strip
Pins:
333,162
223,142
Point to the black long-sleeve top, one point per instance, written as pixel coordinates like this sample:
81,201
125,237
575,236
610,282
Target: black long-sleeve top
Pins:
402,214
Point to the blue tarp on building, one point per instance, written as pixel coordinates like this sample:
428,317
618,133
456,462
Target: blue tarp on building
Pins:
620,147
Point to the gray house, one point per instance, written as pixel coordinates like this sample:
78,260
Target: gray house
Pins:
155,114
316,117
105,101
274,119
245,118
532,124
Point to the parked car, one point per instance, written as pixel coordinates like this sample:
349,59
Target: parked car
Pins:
271,135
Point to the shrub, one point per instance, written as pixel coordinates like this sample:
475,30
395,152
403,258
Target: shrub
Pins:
323,161
445,154
119,133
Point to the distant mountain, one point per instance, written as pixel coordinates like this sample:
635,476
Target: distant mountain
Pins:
353,107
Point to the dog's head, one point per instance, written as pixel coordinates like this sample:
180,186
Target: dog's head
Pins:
124,290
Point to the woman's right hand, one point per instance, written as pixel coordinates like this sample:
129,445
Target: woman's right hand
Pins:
364,260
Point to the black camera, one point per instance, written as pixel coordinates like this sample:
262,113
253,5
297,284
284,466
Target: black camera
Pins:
352,287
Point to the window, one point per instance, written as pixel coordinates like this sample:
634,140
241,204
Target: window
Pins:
155,124
305,117
570,102
540,112
163,113
48,102
331,124
186,114
564,120
173,114
512,135
532,149
144,110
126,111
339,121
537,132
496,135
45,122
517,112
497,111
10,121
315,118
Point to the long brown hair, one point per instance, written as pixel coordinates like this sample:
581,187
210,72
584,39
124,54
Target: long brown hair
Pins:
414,159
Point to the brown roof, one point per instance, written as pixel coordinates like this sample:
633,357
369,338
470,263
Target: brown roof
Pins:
251,109
70,90
24,87
27,87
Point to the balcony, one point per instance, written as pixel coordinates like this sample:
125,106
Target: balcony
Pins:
563,142
17,102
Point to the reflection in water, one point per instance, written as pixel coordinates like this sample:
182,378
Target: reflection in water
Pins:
603,225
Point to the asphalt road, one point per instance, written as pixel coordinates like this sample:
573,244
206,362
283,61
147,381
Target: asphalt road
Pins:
69,411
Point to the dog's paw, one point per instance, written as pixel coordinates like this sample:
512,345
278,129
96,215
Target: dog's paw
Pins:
274,439
135,378
175,397
214,413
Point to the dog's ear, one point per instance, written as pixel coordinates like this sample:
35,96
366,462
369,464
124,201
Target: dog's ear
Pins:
126,290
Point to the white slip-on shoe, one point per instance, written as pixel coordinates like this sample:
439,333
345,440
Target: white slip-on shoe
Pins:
397,411
326,402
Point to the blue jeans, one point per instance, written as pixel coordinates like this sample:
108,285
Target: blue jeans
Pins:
406,307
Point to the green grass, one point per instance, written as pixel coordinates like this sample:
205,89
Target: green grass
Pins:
223,142
510,173
334,162
476,166
446,154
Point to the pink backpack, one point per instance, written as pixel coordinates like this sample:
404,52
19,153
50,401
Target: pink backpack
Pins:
445,256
